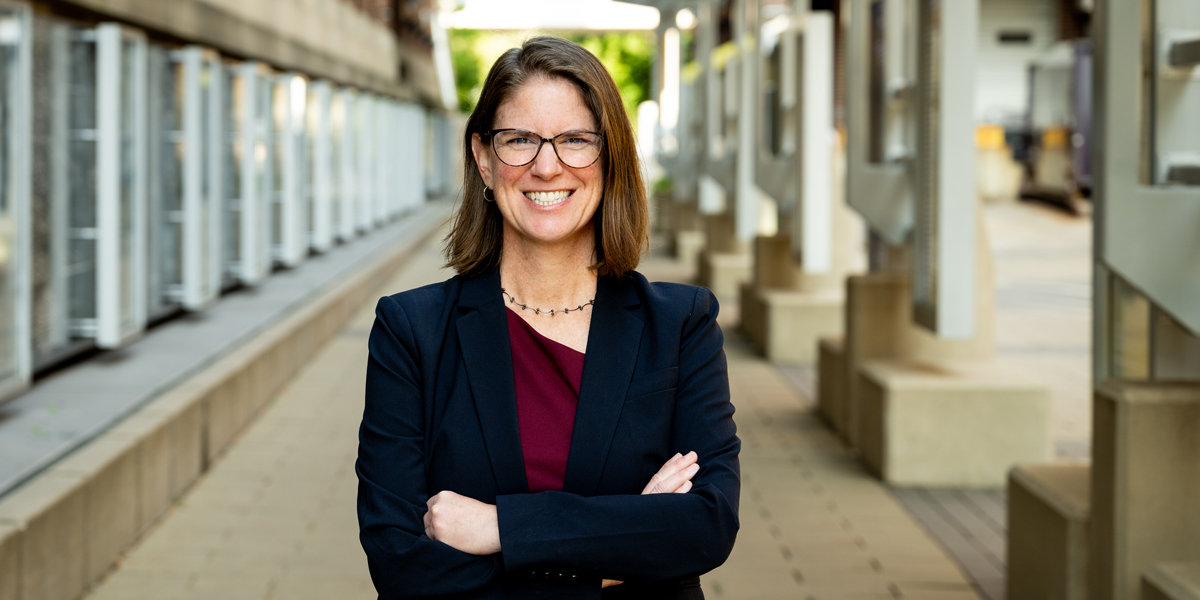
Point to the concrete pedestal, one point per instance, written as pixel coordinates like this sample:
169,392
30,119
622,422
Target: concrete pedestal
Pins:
785,325
686,246
949,423
723,272
831,377
1145,483
1048,531
1172,581
725,264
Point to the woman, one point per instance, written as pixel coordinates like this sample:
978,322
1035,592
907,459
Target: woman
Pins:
524,417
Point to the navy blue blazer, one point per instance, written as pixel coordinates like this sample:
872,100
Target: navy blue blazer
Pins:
441,415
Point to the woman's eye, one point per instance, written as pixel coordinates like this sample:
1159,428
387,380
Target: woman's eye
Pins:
520,141
576,142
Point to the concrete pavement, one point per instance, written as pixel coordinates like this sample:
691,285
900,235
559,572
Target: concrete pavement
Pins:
275,516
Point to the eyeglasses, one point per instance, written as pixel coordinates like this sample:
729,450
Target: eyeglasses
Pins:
517,147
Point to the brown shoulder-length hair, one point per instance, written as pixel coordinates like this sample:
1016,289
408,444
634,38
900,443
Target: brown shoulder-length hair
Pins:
622,219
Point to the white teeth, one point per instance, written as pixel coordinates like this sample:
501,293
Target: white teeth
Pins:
548,198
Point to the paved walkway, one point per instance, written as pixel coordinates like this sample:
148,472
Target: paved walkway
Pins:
275,517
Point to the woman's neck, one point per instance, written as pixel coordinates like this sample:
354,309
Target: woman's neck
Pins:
549,276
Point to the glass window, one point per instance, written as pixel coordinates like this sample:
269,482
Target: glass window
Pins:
165,162
347,176
14,150
51,99
233,112
82,214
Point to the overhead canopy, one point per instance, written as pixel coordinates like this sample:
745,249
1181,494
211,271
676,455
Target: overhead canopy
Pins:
560,15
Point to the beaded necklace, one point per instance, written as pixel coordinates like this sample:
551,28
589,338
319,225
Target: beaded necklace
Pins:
551,312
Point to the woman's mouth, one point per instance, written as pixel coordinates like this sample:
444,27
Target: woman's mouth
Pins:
548,198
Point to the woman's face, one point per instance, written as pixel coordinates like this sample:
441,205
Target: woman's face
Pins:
544,201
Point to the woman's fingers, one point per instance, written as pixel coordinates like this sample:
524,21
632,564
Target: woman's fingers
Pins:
668,469
673,474
671,484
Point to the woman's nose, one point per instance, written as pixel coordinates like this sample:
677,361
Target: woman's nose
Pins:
545,164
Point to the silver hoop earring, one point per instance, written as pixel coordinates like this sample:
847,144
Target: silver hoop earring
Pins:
488,194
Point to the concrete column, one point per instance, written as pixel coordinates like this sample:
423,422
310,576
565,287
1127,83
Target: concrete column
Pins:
1145,482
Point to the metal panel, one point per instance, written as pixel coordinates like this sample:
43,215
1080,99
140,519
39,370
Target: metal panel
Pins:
383,161
813,234
321,165
879,72
442,142
120,193
346,158
879,112
15,202
1146,114
364,133
746,210
943,275
795,159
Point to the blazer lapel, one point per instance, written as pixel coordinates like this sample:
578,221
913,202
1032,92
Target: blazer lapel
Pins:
483,337
612,352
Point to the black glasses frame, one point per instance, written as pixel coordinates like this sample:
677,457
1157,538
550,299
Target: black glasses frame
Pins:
492,135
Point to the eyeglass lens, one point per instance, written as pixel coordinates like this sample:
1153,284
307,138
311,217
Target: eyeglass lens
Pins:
576,149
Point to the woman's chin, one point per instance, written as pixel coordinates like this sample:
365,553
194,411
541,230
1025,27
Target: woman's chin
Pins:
553,235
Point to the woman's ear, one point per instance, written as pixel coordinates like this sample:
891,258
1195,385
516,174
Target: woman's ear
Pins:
482,156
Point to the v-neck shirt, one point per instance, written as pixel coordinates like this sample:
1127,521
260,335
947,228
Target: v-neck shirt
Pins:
546,377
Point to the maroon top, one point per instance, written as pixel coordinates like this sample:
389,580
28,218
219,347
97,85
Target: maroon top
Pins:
547,376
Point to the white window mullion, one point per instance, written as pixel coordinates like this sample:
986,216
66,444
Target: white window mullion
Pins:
120,266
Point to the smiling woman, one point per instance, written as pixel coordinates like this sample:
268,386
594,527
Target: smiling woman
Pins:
547,423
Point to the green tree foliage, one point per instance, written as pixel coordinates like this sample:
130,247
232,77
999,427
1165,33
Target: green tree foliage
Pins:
468,72
627,56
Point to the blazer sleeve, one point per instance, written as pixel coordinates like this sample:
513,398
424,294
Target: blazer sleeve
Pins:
403,561
655,537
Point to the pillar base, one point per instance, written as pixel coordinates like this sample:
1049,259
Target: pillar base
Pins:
1048,508
686,246
831,373
1172,581
785,325
948,423
724,273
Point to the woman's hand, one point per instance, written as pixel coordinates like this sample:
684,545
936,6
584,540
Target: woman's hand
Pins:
463,523
675,477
